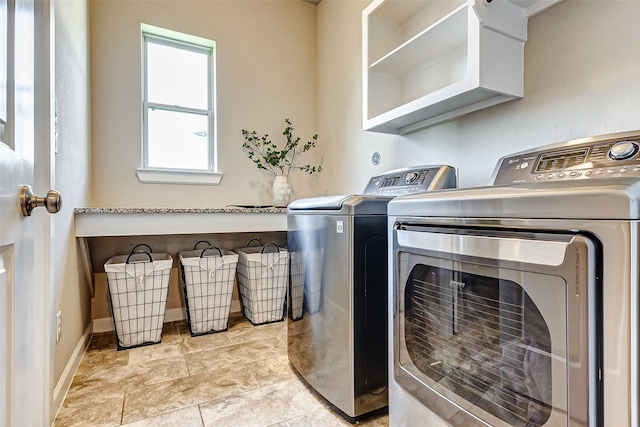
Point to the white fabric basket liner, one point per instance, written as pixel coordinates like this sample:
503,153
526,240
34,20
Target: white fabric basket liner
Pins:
208,288
263,278
138,293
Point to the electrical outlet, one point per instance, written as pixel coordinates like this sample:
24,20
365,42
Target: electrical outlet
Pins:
58,326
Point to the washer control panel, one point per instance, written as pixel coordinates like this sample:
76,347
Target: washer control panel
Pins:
612,155
412,180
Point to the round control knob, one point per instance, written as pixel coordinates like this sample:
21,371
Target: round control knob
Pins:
411,177
623,150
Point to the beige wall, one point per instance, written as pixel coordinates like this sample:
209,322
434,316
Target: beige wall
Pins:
70,291
266,72
581,78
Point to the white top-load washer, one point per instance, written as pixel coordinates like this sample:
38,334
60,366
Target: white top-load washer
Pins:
517,304
337,317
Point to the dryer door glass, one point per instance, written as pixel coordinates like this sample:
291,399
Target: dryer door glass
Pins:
484,339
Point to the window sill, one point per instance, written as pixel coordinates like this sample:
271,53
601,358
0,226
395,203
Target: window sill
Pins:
167,176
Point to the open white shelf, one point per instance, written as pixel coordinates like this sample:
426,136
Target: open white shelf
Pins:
431,44
427,61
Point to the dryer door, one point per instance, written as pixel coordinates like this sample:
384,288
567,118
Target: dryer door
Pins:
497,327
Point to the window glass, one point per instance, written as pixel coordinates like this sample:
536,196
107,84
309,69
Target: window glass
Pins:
176,76
483,338
178,140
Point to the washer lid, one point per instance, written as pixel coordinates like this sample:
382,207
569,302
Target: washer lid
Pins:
354,204
319,203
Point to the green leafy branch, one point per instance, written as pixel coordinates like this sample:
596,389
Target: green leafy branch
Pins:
267,155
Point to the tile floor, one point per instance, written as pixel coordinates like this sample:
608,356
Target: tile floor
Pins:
240,377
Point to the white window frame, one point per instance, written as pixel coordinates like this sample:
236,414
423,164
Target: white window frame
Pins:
146,174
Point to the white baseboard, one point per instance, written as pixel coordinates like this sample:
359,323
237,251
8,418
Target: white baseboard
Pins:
105,324
60,391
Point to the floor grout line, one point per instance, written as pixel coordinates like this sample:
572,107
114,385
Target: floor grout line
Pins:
124,397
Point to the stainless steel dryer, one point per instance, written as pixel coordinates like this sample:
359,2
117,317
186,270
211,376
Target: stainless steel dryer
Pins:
517,304
337,317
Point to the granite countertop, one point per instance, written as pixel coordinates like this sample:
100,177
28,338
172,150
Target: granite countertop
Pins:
228,209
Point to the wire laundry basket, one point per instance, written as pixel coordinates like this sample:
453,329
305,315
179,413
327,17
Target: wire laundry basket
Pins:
138,285
263,274
208,276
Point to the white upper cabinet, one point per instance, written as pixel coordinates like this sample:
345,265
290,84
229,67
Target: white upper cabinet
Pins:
427,61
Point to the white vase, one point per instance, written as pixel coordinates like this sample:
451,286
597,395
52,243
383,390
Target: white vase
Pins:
281,191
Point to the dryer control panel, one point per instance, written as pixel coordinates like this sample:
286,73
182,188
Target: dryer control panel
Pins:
612,155
412,180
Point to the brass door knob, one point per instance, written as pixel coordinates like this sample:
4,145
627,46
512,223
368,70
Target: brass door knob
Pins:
29,201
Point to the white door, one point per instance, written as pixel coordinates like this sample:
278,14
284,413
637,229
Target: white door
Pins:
24,115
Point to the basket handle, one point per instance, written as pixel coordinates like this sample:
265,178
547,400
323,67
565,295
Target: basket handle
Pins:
143,252
270,244
210,247
201,241
254,240
141,244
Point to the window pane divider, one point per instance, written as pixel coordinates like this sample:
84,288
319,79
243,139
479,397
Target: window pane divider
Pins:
177,108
